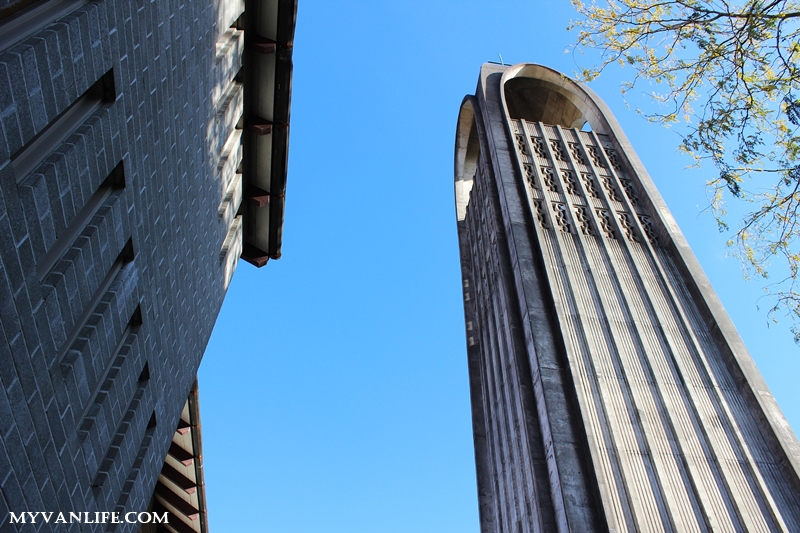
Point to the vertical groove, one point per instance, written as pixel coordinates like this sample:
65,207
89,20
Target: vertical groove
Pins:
579,365
746,500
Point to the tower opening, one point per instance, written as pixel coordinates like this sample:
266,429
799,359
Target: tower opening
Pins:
538,100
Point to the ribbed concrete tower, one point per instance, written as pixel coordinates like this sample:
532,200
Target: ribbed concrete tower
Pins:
610,390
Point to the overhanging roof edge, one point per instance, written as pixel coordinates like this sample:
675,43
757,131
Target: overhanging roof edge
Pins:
287,19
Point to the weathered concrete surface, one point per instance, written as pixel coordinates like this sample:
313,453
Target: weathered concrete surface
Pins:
610,390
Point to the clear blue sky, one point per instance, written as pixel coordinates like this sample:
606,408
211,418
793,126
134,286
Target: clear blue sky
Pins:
334,389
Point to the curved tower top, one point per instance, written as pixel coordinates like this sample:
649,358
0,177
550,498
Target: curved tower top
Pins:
610,390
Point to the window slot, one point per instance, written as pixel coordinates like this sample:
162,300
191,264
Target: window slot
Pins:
27,22
125,257
111,456
128,486
14,7
86,419
114,181
46,141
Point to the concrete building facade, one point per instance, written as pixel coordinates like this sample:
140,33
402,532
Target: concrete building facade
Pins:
610,390
143,151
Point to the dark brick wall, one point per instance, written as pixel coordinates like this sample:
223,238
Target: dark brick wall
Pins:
90,387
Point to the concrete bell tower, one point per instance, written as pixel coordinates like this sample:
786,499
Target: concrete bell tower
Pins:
610,390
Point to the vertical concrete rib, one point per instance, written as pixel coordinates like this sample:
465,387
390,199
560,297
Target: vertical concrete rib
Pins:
616,257
648,411
633,365
569,495
728,458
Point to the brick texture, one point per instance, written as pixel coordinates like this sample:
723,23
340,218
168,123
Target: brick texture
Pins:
89,394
